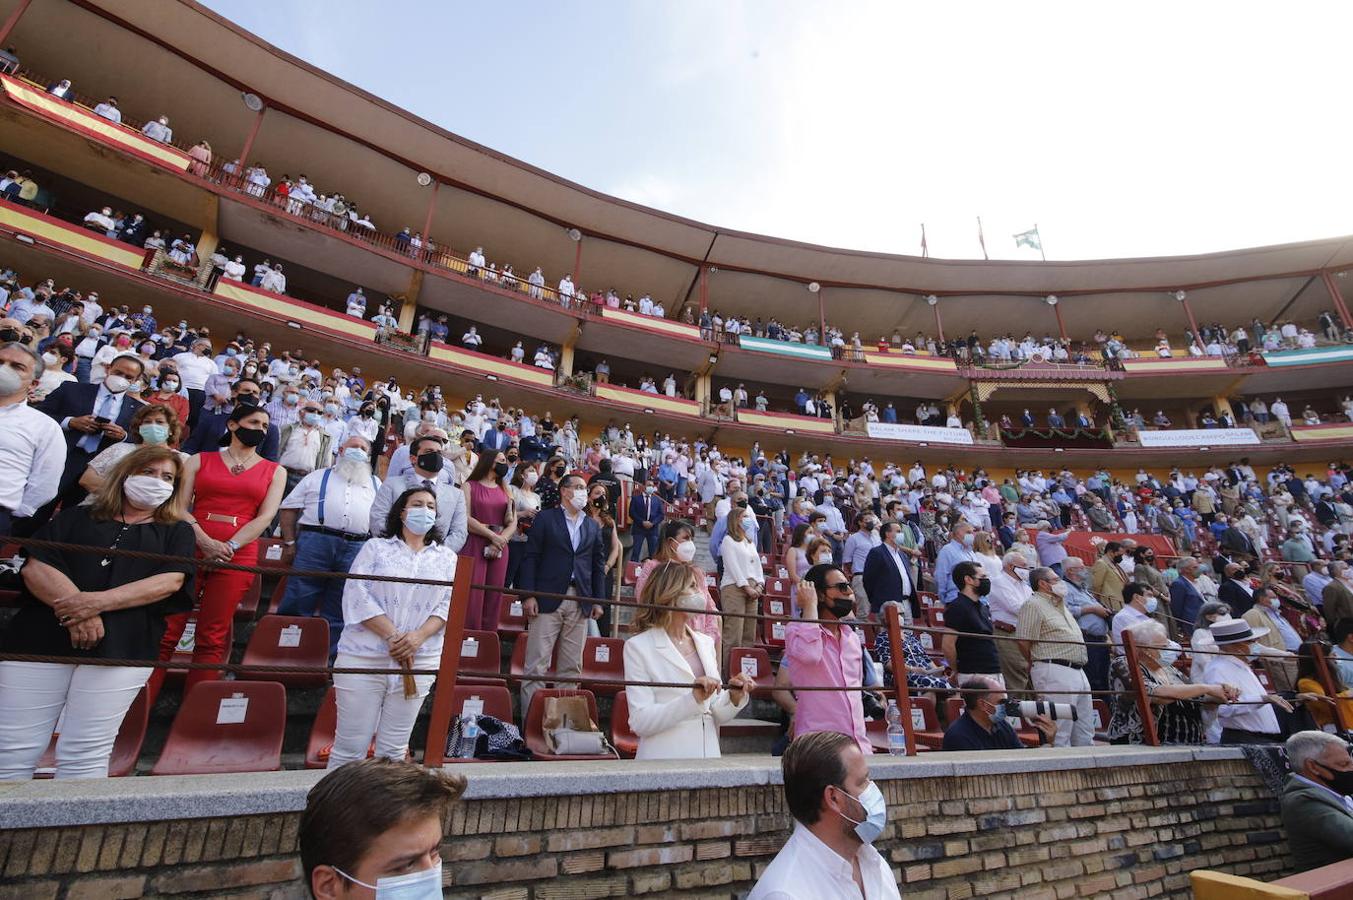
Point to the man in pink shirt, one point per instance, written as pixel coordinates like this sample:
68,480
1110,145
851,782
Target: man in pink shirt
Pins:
826,655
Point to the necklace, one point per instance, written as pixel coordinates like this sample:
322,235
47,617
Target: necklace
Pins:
107,560
237,467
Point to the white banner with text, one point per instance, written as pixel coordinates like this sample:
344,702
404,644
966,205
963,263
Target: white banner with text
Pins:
895,431
1200,437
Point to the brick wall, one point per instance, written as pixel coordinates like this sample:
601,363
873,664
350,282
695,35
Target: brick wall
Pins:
1128,832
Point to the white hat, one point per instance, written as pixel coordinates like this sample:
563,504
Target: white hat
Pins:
1234,631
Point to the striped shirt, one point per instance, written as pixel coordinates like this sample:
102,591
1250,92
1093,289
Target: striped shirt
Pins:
1043,619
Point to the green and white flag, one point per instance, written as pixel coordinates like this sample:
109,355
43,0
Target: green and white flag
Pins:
1030,239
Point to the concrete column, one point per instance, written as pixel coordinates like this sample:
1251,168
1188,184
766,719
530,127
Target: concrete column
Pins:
1223,405
409,307
566,358
702,385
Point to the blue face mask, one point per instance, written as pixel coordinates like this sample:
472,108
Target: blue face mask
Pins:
154,434
331,408
875,810
1169,654
420,519
356,454
998,713
423,885
311,418
1151,605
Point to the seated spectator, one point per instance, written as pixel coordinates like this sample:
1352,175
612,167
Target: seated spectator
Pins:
678,723
1308,682
1174,702
984,725
378,824
1316,810
388,622
77,605
838,814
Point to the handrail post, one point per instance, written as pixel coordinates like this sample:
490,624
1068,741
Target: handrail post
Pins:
434,754
1139,689
899,664
1322,668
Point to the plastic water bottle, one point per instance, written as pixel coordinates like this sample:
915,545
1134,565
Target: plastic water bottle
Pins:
469,736
897,735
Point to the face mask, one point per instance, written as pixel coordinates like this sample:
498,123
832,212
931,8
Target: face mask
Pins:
420,519
997,713
331,408
530,479
875,813
500,469
154,433
430,461
246,400
50,359
685,551
650,489
355,454
983,587
116,384
424,885
577,500
250,437
1169,654
1339,780
741,504
1059,590
311,418
821,527
146,491
968,539
694,603
1151,606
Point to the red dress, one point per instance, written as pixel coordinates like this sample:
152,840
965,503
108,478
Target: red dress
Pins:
217,490
488,506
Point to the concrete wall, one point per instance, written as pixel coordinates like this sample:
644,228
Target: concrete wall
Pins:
1118,822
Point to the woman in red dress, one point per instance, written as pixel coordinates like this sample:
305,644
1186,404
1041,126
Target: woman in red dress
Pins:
491,519
235,496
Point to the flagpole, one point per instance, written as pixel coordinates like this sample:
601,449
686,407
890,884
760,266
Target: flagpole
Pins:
925,249
982,239
1041,251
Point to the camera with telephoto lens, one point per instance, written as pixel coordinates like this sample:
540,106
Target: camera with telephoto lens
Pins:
1026,708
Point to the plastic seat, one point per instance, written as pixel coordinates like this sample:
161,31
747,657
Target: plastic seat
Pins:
777,587
934,616
773,630
270,554
603,658
126,746
248,606
279,590
201,743
534,732
925,725
631,574
288,641
322,733
517,667
511,618
496,700
481,659
755,661
1102,716
625,741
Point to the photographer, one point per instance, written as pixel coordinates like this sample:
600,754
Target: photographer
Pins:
984,726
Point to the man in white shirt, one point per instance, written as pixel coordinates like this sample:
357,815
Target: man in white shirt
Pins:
324,520
565,290
472,339
32,446
536,282
159,130
305,443
838,813
476,261
108,110
1249,720
1010,590
357,304
1138,606
234,269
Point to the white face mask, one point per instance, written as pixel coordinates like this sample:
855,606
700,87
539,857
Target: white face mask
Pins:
11,382
530,478
116,384
685,551
146,491
424,885
693,603
578,500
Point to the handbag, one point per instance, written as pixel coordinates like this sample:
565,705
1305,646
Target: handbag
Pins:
497,740
569,729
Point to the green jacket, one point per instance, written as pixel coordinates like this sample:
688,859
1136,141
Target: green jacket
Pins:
1319,827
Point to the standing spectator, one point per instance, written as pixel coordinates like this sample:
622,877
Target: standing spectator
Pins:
325,521
743,580
1010,592
599,510
153,425
491,519
77,606
1051,642
827,654
1186,602
32,448
108,110
194,368
969,647
1051,545
678,723
159,130
1093,619
564,555
305,443
215,427
864,539
526,504
1108,579
887,575
235,495
646,515
838,814
957,550
166,392
390,623
428,471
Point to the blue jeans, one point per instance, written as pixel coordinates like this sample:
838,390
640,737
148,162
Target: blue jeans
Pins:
644,536
316,552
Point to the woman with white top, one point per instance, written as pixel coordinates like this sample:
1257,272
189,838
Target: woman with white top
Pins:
984,549
677,722
389,625
743,581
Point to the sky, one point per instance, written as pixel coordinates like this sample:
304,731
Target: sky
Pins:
1120,130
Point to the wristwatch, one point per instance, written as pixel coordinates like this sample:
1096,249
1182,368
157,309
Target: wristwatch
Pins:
234,547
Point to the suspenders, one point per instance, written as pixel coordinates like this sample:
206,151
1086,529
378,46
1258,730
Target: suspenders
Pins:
324,492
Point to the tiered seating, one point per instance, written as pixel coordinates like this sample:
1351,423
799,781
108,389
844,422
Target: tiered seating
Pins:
603,658
226,726
481,658
288,641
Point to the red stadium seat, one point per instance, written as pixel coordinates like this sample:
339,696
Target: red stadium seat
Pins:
322,733
625,741
511,619
248,605
631,573
773,630
279,591
517,667
755,661
270,554
534,732
481,658
1102,716
126,746
934,616
288,641
226,726
496,701
603,658
777,587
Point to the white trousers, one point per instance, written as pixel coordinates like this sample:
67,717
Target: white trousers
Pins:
95,700
374,706
1052,677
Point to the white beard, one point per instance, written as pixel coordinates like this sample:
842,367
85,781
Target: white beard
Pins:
352,471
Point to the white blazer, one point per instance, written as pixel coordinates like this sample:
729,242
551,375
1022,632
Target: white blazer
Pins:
669,721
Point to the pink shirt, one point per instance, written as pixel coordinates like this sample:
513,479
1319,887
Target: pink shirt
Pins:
819,656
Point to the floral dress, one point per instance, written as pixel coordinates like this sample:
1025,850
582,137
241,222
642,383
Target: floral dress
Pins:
915,655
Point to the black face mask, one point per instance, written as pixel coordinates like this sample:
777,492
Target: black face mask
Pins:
246,400
741,504
250,437
983,587
841,606
9,335
558,471
430,461
1339,780
500,469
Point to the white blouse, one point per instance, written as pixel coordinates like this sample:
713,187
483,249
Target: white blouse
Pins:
408,606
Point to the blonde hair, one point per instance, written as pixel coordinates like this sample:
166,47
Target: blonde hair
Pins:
734,522
982,543
667,584
814,546
107,502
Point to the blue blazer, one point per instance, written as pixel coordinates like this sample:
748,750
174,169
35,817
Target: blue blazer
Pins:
71,399
211,427
551,564
1185,603
882,582
644,508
